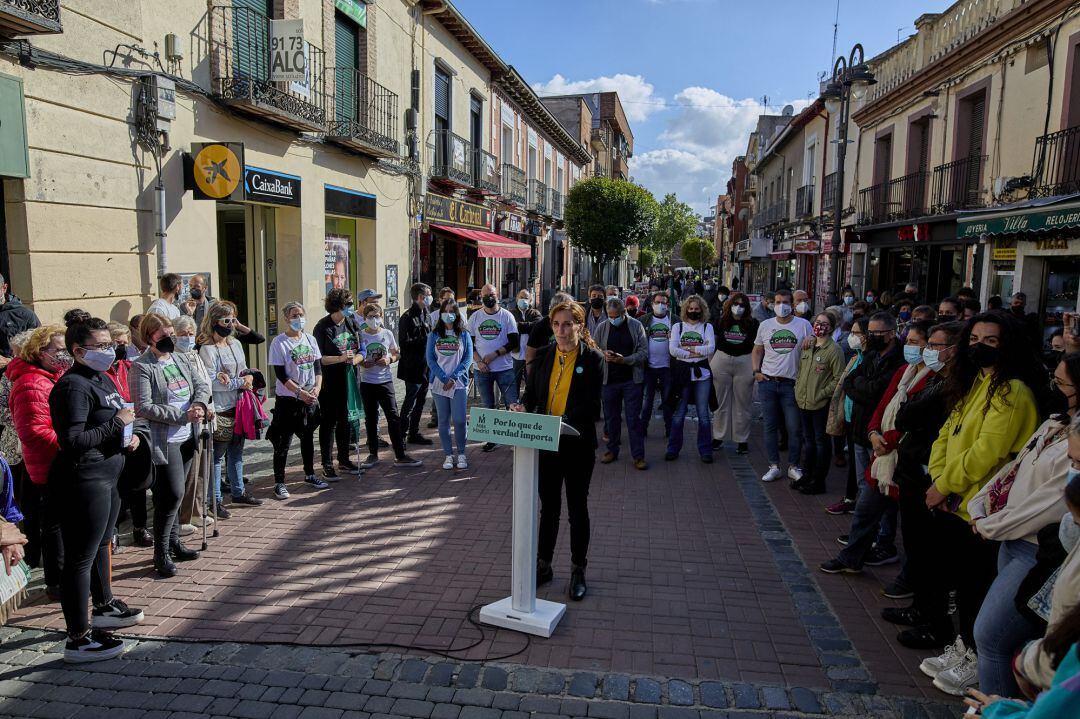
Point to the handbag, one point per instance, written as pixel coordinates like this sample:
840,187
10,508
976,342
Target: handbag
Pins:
223,431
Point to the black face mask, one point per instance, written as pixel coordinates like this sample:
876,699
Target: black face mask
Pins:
597,303
121,352
1018,311
196,293
693,315
946,318
1052,358
222,331
488,300
165,345
875,343
983,355
1058,401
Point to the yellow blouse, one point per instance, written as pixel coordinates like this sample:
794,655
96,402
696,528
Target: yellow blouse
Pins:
562,374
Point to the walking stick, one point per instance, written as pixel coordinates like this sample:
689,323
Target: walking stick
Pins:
207,438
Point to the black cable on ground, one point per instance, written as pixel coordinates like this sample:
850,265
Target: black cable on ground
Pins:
446,653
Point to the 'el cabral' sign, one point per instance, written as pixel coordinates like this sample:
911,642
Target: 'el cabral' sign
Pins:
448,211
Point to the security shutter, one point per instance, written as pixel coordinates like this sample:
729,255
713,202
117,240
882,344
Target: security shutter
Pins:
442,97
924,146
347,56
973,168
975,134
251,38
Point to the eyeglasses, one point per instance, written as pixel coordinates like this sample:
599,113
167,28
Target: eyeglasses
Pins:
103,347
227,321
1055,382
938,346
881,333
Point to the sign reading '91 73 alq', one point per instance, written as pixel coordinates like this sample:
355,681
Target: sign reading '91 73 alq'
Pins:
287,60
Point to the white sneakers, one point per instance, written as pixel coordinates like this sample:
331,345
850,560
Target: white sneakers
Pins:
448,463
461,462
794,473
932,666
187,529
773,474
954,671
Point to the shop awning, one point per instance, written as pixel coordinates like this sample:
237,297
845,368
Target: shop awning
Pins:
488,244
1045,214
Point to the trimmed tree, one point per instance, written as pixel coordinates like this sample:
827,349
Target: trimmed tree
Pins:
605,216
698,252
675,224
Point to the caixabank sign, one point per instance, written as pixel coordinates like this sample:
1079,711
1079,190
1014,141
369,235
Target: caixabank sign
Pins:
268,186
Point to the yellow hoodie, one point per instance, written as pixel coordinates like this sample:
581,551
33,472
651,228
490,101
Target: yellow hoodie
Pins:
972,446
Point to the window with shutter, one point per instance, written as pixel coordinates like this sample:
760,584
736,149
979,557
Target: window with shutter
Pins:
442,100
347,56
251,38
476,122
976,126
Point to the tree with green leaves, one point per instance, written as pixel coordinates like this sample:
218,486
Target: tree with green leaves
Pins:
698,252
675,224
646,258
604,217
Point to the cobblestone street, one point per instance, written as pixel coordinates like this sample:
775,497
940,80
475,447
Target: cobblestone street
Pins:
701,599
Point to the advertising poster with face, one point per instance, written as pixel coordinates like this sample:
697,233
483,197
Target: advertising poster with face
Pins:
336,262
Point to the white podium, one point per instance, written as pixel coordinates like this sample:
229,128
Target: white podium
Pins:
528,434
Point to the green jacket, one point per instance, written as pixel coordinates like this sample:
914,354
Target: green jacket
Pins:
820,368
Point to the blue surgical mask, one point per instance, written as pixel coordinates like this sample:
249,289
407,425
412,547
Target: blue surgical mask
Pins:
1068,532
427,300
913,354
298,324
905,316
349,311
449,317
523,304
932,358
616,321
849,300
185,344
99,360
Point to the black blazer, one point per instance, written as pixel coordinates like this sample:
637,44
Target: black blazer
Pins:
583,400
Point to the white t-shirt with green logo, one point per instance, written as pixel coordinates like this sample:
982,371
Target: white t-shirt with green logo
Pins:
782,343
297,355
696,336
448,355
489,333
179,393
376,346
658,332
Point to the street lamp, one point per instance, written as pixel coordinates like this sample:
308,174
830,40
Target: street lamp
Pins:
851,77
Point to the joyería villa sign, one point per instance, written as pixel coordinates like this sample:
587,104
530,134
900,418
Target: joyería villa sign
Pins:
517,429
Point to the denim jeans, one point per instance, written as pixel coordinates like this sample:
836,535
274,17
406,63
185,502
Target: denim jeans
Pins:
874,519
656,378
452,409
616,397
1000,630
485,383
698,390
777,397
233,454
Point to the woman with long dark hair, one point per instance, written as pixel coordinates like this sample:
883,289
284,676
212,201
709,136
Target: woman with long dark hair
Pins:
993,415
692,343
449,357
733,371
565,381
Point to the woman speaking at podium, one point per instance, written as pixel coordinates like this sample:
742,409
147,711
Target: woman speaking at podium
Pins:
565,381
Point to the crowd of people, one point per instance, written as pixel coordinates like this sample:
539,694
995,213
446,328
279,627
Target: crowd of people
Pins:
950,424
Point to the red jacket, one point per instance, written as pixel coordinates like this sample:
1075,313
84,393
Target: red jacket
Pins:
118,373
29,404
891,437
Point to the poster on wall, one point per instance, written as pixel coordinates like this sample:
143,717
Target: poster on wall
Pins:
336,262
391,315
391,293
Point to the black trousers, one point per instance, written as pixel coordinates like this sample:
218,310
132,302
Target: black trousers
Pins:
334,425
170,480
412,407
921,551
964,561
817,445
381,396
41,524
572,467
89,503
292,417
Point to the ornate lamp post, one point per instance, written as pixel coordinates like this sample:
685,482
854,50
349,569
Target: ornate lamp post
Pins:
850,79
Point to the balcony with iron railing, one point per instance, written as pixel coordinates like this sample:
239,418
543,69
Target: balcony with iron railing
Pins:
777,212
538,197
365,115
828,193
486,172
958,185
556,204
451,158
1056,167
907,196
513,185
239,48
29,17
804,201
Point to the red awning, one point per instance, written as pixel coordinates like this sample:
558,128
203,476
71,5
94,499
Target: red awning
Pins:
488,244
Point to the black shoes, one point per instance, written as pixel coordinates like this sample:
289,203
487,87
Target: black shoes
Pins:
925,638
181,553
544,573
577,584
163,563
670,457
489,447
904,616
717,444
743,448
142,537
812,488
419,439
247,499
222,513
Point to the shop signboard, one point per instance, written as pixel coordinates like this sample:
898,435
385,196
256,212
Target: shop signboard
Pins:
1054,219
268,186
448,211
513,223
806,247
213,171
336,262
1004,254
349,203
288,59
355,9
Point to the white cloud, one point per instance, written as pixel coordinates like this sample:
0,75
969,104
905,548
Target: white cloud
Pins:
636,94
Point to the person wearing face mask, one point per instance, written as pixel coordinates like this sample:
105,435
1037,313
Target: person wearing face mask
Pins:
993,414
692,344
526,316
174,397
413,329
733,372
657,370
338,337
839,420
495,338
1052,356
449,358
191,502
1030,320
89,419
775,362
594,313
633,306
168,293
871,298
41,361
379,350
622,341
1022,498
903,313
200,302
801,305
223,358
847,301
716,301
820,367
763,310
950,309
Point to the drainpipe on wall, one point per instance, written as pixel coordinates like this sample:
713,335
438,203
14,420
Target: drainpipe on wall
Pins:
159,211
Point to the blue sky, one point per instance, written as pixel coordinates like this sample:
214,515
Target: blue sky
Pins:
691,73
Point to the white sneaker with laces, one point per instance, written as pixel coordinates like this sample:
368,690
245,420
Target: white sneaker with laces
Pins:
958,679
448,463
187,529
773,474
794,473
462,463
281,491
932,666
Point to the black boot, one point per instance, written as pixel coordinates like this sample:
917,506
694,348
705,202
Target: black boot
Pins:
181,553
577,584
814,487
163,563
544,573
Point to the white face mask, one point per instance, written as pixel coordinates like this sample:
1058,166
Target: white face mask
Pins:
782,309
659,309
854,342
738,310
375,322
802,308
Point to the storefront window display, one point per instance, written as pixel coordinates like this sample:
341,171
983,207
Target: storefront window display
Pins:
1061,282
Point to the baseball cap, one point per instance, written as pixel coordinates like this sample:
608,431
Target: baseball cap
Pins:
368,294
